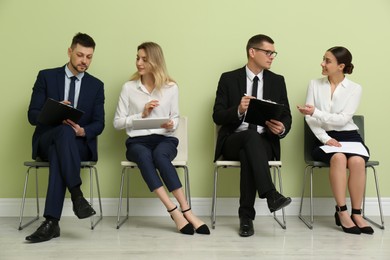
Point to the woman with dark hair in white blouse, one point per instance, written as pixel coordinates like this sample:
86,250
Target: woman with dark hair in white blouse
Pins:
331,102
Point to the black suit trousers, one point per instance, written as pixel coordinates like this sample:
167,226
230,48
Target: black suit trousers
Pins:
253,150
64,151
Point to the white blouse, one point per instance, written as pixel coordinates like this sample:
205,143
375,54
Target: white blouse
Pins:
332,112
132,101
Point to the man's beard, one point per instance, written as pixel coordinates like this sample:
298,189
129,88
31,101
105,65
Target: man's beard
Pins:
75,67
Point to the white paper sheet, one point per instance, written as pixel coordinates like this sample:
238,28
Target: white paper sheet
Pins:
346,147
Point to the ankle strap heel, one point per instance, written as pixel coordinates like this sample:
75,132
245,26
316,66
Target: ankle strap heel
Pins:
357,211
341,208
184,211
366,229
171,210
351,230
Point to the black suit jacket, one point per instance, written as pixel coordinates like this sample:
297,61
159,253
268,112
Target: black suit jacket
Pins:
231,88
50,83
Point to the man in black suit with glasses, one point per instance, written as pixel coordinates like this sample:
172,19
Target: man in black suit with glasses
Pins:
252,145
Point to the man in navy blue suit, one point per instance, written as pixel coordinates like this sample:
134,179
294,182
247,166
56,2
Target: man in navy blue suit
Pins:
67,144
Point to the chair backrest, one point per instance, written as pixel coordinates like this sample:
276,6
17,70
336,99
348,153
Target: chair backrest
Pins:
359,121
181,133
310,139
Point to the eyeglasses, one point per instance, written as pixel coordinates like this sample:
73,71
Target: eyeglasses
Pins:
268,53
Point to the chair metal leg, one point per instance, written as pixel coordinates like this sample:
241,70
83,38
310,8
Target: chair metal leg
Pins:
382,224
92,170
119,221
308,223
187,183
214,200
21,225
282,222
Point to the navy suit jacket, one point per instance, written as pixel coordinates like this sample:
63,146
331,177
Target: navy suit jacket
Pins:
231,88
50,83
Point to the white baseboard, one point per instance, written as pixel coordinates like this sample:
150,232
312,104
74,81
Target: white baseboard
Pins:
201,206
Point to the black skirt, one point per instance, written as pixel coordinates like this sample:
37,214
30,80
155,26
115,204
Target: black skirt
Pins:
341,136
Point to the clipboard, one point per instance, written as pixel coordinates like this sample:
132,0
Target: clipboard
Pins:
260,110
54,112
149,123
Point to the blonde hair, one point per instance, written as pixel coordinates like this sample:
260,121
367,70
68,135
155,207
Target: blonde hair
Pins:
155,58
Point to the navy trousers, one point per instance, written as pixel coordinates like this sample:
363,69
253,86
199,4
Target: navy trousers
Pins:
64,151
253,150
155,152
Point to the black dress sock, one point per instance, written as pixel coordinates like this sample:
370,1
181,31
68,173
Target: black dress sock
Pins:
75,192
55,220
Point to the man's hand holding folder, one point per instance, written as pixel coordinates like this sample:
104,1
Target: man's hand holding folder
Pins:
259,111
55,112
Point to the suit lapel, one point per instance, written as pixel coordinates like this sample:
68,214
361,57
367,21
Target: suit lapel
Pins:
83,92
266,85
61,83
242,81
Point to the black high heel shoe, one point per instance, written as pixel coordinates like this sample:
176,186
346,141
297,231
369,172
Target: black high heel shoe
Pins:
352,230
203,229
187,229
365,230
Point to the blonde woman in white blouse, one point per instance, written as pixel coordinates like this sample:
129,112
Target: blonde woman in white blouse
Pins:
331,102
151,93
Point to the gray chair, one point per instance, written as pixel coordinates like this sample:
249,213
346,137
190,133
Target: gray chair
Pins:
309,142
276,166
179,162
89,165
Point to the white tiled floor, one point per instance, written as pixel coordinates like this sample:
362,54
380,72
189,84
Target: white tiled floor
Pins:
156,238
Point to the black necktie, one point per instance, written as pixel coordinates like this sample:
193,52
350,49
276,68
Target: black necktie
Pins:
254,93
72,87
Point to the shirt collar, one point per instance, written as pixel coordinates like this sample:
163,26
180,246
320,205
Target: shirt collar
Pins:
141,86
250,75
69,74
344,83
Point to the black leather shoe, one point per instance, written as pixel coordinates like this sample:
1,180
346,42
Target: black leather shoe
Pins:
46,231
277,201
246,227
82,209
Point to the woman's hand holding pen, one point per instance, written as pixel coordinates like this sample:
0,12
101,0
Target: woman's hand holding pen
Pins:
244,103
149,107
306,110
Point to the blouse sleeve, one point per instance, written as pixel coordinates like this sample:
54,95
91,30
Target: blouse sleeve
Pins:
122,118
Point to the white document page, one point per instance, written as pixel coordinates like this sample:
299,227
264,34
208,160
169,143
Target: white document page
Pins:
346,147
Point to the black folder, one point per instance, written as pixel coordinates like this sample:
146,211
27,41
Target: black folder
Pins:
260,111
54,112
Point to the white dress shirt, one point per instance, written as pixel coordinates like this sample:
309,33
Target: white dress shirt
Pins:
249,85
132,101
79,77
332,112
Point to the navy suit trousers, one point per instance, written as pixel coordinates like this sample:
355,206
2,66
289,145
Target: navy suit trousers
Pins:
64,151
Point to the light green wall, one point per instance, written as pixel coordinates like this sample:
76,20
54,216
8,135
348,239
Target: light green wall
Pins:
201,39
